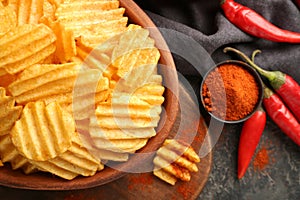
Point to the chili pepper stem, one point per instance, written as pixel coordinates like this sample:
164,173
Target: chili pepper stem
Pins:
267,92
269,75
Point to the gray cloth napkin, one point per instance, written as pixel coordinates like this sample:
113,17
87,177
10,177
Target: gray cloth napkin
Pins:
204,22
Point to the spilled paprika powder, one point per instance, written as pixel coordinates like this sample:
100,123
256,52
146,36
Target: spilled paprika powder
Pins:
230,92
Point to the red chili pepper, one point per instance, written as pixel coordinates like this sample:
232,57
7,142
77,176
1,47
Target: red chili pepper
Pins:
284,85
281,115
249,139
254,24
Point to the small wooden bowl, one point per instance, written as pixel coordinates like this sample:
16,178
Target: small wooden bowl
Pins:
46,181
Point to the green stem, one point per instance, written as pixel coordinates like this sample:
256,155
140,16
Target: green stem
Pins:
267,92
269,75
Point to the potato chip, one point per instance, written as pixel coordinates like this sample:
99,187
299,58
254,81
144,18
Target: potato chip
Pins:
56,82
49,10
9,153
98,132
164,176
112,122
6,79
126,53
111,155
26,45
102,154
183,149
173,157
173,169
175,160
120,145
93,59
77,160
85,6
43,131
124,111
29,11
8,19
44,80
84,19
65,43
9,113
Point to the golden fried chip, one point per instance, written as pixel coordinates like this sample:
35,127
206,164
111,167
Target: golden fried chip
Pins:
124,111
102,154
120,145
84,19
6,79
8,19
9,153
9,113
65,43
49,10
76,90
182,149
173,169
26,45
173,157
111,155
98,132
29,11
85,7
40,81
175,160
43,131
164,176
77,160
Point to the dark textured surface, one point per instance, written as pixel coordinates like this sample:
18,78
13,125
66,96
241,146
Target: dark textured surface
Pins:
203,21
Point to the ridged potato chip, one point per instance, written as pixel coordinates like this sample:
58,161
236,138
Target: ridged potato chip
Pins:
29,11
173,169
175,160
65,42
9,113
8,19
26,45
43,131
77,160
173,157
9,153
120,145
183,149
85,6
64,83
134,118
102,154
165,176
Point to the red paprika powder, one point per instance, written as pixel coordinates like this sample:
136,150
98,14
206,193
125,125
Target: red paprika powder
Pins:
230,92
261,159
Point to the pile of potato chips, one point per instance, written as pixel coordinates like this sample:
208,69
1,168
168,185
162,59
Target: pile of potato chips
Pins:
78,86
175,160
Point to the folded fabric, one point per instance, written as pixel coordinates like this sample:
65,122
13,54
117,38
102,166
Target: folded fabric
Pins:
204,22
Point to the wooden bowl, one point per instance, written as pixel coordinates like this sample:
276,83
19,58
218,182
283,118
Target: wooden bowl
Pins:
46,181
